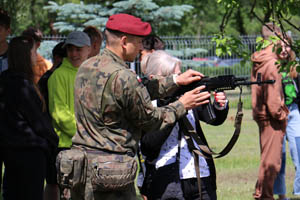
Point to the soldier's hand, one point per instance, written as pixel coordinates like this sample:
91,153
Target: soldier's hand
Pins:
194,98
188,77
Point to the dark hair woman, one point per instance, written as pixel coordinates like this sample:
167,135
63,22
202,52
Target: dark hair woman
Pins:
27,140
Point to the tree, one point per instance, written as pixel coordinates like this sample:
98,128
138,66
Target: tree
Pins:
283,13
72,16
24,14
206,16
19,11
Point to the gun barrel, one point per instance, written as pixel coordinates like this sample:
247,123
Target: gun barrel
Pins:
267,82
256,82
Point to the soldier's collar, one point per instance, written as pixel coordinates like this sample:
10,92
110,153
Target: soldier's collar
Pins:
115,57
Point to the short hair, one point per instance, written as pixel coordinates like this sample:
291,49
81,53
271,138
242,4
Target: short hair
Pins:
159,63
4,19
33,32
112,36
93,33
59,50
270,29
153,42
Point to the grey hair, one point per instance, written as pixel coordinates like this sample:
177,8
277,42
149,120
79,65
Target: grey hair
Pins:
159,63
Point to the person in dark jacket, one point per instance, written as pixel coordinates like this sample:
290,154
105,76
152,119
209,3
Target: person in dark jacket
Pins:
162,148
28,142
5,32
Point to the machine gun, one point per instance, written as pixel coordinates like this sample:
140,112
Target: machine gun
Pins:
221,83
218,84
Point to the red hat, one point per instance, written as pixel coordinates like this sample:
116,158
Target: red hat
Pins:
128,24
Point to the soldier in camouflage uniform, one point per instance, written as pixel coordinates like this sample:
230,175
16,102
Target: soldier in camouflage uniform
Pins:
112,106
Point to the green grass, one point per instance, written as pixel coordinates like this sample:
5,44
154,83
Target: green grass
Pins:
237,172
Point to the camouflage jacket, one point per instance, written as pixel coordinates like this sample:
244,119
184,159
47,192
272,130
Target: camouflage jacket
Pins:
112,107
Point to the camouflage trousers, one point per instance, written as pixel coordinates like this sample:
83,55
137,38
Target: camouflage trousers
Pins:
86,192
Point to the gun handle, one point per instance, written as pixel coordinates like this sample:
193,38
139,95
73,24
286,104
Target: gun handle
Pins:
207,113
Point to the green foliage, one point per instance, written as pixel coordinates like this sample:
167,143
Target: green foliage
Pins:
135,8
23,14
280,13
230,45
170,15
72,16
160,17
261,43
284,65
228,3
204,19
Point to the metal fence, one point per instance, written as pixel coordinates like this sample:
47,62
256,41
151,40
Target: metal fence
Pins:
196,52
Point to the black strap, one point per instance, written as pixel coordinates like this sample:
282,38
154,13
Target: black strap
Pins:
192,149
179,144
197,169
189,132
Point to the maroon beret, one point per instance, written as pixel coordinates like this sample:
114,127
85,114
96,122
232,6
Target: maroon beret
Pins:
128,24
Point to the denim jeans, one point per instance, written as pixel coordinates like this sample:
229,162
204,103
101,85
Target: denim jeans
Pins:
293,138
279,184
